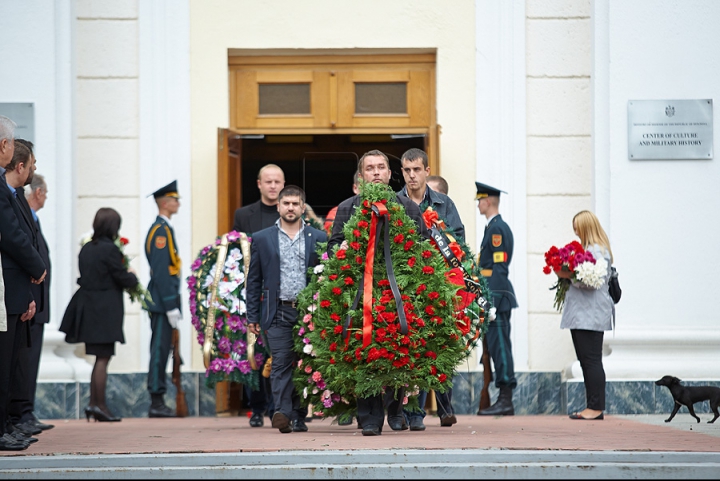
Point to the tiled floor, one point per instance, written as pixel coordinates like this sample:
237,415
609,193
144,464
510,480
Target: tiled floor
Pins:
233,434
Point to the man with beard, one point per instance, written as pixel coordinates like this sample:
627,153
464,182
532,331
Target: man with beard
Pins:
279,262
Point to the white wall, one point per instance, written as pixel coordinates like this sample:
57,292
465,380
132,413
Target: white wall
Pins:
36,55
663,217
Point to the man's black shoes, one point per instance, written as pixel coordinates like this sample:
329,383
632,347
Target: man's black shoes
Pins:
8,443
38,424
160,412
281,423
371,431
397,423
447,420
20,437
299,426
417,424
256,420
27,428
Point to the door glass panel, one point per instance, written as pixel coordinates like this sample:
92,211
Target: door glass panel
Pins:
381,98
284,99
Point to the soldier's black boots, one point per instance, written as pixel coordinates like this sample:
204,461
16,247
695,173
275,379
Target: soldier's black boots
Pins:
158,409
502,407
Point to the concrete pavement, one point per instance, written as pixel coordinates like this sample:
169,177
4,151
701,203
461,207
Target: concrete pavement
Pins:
517,446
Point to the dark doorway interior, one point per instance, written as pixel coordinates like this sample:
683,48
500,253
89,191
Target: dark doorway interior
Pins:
323,165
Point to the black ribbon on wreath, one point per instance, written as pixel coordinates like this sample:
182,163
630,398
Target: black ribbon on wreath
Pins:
444,247
380,222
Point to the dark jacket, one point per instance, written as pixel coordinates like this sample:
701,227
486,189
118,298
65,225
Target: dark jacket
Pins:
347,208
250,219
162,255
445,208
40,292
496,251
20,260
95,313
263,280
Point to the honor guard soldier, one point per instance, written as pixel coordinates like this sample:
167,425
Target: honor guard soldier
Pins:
496,251
164,287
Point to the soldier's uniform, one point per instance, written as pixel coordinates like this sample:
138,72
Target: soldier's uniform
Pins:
164,287
496,251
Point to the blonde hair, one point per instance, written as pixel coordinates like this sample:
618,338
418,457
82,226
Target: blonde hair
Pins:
590,231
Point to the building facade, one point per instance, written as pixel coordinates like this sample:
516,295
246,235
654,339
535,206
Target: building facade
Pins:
529,96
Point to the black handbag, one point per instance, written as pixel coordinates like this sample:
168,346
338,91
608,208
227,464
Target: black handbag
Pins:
614,289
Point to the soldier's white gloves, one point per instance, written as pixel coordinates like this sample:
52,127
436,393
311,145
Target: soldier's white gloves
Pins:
491,314
174,317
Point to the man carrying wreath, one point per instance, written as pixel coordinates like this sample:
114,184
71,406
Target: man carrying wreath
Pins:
415,170
374,167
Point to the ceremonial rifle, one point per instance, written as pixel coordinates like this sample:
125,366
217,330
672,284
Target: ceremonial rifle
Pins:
180,400
487,377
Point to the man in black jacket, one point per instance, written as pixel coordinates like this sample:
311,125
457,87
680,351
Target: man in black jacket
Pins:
281,256
250,219
263,213
374,166
22,266
25,376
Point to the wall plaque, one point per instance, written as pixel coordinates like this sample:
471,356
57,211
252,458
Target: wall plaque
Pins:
670,129
23,114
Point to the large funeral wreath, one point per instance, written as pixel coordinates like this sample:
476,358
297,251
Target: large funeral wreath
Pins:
361,334
218,275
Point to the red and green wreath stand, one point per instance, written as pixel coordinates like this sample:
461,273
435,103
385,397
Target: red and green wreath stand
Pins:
378,315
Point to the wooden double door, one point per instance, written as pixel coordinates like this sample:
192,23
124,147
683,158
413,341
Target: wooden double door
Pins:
314,116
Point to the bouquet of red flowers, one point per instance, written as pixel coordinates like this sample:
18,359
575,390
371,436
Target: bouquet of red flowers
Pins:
580,263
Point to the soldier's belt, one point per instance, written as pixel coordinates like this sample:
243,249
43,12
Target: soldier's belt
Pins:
486,272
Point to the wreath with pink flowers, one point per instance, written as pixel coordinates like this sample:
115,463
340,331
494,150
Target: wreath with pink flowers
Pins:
229,354
364,327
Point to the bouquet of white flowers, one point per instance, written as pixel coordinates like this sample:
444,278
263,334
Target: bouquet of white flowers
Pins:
592,274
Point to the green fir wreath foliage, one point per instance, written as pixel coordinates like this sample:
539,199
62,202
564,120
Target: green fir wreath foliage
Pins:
331,375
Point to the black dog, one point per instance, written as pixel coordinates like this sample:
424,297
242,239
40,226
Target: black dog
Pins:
689,395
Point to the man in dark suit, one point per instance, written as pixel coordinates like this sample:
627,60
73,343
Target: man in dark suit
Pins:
496,251
263,213
24,379
250,219
279,261
374,166
164,288
22,266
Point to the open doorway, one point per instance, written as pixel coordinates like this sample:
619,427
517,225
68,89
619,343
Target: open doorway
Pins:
322,165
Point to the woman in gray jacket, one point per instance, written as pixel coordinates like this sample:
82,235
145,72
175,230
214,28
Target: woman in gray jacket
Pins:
588,313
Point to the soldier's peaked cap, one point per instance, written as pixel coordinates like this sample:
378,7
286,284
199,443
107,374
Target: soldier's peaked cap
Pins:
169,190
484,190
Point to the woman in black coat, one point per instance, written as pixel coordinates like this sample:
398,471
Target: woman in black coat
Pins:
95,313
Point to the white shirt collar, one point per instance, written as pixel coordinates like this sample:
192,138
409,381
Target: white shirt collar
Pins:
167,219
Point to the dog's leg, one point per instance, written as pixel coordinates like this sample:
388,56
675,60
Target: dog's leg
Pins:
673,413
715,411
692,412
